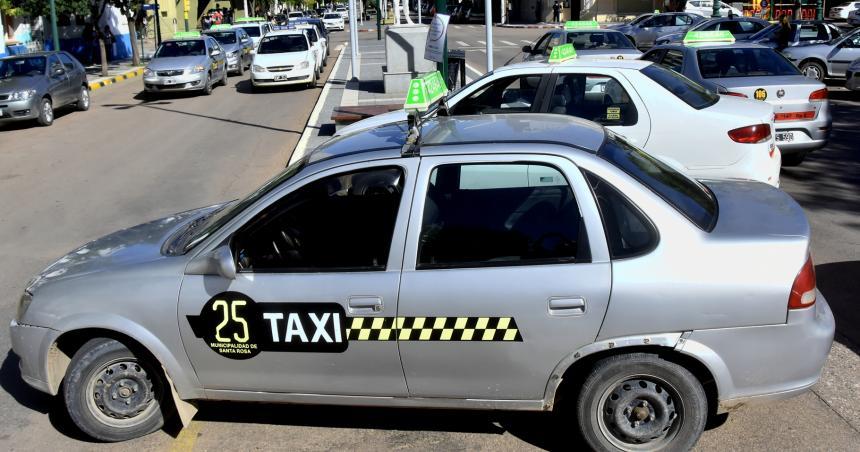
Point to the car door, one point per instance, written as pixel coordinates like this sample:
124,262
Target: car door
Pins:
58,81
843,54
314,260
600,95
650,29
505,273
247,46
75,73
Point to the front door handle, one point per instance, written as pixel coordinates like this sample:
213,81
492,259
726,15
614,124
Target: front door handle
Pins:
365,304
562,306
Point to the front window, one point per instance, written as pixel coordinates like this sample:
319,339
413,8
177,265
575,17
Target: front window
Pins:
223,37
740,62
692,93
253,31
493,214
505,95
338,223
599,40
628,231
283,44
172,49
22,67
332,16
597,98
687,196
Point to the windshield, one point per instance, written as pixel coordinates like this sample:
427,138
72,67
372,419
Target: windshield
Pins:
171,49
331,16
22,67
739,62
201,228
224,37
296,15
689,197
283,44
598,40
253,31
692,93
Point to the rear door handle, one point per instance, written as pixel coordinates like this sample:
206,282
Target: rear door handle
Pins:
562,306
364,304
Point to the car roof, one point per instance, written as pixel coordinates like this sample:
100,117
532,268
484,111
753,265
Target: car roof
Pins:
635,65
480,129
289,31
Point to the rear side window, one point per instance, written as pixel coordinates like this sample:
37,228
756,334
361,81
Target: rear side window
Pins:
689,197
674,60
67,62
478,215
628,231
692,93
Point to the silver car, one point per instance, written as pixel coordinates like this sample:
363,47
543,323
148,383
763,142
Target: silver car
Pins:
189,62
237,45
34,84
826,60
643,34
593,43
852,76
445,271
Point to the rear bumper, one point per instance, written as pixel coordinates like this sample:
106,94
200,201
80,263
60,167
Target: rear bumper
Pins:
766,363
808,135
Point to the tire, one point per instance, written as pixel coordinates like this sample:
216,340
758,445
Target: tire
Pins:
313,83
640,397
105,367
83,103
207,86
223,81
46,112
793,159
241,70
813,70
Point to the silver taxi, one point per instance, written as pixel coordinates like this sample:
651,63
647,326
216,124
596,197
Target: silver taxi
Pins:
237,45
589,40
187,62
435,268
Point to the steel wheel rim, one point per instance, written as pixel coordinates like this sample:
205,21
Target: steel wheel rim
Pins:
121,393
85,97
812,72
48,109
657,426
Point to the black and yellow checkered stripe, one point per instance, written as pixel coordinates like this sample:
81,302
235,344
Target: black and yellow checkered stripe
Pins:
499,329
118,78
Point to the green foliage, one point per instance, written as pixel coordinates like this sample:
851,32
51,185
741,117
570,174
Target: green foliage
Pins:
43,8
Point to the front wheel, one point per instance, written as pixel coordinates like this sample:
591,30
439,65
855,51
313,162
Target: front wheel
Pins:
813,70
641,402
112,394
207,85
46,112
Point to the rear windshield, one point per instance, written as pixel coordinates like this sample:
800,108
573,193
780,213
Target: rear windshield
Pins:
252,30
283,44
689,197
331,16
692,93
223,37
598,40
739,62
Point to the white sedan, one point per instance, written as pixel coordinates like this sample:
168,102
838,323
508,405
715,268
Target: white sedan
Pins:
674,118
284,57
333,21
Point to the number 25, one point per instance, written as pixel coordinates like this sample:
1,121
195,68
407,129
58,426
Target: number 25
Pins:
227,317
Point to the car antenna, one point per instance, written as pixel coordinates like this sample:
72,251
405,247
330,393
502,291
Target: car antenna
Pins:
423,92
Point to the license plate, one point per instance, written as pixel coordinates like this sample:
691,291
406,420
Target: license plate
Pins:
784,137
280,78
168,81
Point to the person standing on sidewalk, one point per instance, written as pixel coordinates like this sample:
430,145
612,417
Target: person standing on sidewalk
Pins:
556,12
109,42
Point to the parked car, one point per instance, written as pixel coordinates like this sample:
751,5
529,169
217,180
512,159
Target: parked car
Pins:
803,32
854,18
33,85
801,111
237,45
589,42
840,12
499,263
187,62
255,27
285,57
705,8
740,27
333,21
644,34
829,59
852,76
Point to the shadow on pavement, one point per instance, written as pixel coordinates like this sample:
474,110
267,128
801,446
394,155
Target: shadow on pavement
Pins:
59,113
246,87
839,283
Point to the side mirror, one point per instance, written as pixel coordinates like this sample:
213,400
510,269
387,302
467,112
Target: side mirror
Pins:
245,39
57,71
527,49
223,258
215,52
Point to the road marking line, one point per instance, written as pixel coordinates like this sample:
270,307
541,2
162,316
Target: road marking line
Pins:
457,27
525,42
483,43
470,68
462,44
301,146
508,43
186,439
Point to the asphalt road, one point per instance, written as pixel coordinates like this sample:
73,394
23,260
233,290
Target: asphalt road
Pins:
127,161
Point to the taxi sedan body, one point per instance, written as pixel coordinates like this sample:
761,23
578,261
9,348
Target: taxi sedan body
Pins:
285,57
238,46
852,76
192,64
721,137
471,275
829,59
801,109
589,43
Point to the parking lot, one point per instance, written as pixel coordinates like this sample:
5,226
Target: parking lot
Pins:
128,160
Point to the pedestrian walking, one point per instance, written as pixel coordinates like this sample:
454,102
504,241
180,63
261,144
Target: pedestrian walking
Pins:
556,12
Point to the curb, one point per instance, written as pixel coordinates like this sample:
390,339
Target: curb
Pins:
116,79
529,26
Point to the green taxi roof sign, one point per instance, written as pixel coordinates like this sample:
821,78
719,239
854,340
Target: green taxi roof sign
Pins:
708,36
221,27
425,90
250,19
186,34
580,24
561,53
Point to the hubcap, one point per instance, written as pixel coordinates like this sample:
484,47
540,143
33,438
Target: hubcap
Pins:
121,390
85,97
812,72
49,110
640,411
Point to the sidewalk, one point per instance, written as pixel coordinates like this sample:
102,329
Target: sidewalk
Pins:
119,70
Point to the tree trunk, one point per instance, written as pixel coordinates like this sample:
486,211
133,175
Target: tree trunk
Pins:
132,36
103,54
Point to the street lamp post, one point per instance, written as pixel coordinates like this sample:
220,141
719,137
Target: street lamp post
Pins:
54,33
819,10
442,8
715,10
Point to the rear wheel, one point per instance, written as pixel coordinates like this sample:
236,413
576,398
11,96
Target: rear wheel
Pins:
46,112
83,103
813,70
111,393
641,402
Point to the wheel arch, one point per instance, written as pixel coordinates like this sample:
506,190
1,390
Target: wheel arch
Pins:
816,60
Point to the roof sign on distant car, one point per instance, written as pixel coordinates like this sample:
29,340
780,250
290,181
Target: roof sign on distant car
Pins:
580,24
186,34
561,53
221,27
250,19
708,36
425,90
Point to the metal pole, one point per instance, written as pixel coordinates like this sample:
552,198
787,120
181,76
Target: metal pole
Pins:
361,12
442,8
185,7
378,20
245,6
488,21
54,34
715,10
353,38
502,11
419,11
157,24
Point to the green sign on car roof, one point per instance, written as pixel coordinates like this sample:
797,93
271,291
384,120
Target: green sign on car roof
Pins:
580,24
186,34
250,19
425,90
561,53
221,27
708,36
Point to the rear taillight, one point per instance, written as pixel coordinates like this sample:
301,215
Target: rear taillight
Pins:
758,133
818,95
732,93
803,290
794,116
